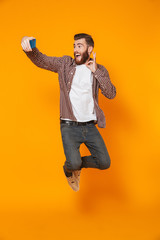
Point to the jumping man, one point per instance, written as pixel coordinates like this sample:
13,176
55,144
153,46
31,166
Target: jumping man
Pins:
80,80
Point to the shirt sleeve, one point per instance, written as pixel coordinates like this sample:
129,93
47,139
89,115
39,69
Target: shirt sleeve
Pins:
43,61
107,88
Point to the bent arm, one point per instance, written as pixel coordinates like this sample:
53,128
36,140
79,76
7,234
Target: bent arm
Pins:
102,76
43,61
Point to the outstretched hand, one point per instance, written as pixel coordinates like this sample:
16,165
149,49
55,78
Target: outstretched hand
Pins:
26,44
91,64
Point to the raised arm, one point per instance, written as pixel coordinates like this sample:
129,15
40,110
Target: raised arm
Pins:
39,59
102,76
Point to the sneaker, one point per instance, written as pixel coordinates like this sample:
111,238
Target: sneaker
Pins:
73,183
77,173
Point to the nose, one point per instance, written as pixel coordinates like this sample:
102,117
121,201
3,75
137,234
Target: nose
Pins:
75,49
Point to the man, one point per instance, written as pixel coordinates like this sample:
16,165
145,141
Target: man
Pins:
80,80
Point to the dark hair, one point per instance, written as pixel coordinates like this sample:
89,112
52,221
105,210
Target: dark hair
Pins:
88,38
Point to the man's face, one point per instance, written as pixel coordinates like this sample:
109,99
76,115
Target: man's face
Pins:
81,54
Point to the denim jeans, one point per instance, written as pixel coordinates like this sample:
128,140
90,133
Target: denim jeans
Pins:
73,136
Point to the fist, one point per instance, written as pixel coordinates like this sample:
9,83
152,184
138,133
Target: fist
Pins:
25,43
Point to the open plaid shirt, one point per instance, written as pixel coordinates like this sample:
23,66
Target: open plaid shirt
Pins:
65,67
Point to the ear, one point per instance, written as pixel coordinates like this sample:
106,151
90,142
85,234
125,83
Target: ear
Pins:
90,49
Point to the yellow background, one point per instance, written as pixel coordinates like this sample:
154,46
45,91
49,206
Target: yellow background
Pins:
120,203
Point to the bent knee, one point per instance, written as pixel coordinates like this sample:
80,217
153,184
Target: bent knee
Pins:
105,164
73,166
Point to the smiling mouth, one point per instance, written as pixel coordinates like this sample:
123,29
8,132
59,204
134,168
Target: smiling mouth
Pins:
77,55
78,58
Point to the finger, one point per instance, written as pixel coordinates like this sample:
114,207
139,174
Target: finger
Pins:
89,64
90,61
25,45
24,48
30,38
94,56
22,45
28,45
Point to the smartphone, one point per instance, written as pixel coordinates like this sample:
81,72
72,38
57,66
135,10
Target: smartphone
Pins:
32,43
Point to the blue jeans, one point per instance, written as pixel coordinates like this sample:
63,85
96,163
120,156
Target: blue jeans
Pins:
73,136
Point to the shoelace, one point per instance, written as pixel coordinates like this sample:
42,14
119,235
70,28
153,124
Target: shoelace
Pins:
72,180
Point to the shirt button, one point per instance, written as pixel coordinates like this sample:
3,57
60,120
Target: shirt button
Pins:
71,72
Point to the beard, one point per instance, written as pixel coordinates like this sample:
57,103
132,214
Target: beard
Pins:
82,59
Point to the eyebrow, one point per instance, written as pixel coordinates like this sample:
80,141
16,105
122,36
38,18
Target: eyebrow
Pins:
78,44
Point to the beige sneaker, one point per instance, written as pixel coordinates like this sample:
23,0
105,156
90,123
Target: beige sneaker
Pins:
73,182
76,174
